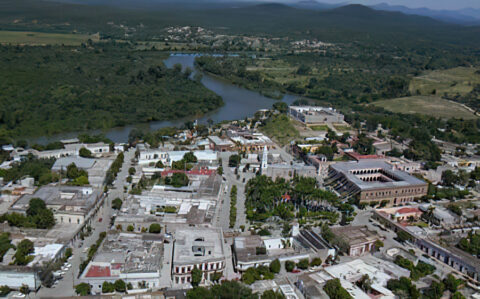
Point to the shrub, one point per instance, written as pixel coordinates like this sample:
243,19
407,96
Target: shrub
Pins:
289,266
154,228
275,266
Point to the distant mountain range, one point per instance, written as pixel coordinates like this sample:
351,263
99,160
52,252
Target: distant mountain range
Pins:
466,16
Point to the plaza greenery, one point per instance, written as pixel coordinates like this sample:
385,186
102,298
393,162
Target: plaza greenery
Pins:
225,290
266,198
178,179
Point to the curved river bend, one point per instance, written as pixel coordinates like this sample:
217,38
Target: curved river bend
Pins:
238,104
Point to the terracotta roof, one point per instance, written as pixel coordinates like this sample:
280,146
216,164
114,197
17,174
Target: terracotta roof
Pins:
358,156
98,271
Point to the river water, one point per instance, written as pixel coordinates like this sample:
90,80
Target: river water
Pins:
238,104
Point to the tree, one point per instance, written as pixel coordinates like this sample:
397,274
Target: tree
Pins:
234,160
159,164
458,295
24,249
275,266
220,170
131,171
117,203
197,275
120,285
316,262
4,290
68,252
403,236
154,228
271,294
108,287
289,266
190,157
451,283
24,289
179,179
378,244
403,287
435,291
35,205
303,264
334,290
83,289
130,228
85,153
281,107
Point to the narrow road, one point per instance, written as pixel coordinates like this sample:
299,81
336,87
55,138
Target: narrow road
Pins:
66,286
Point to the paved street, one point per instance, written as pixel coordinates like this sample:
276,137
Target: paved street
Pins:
65,285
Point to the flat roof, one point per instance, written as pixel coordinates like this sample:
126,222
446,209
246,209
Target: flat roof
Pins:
403,178
80,162
197,245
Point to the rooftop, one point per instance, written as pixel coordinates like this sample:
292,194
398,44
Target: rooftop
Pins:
196,245
354,235
386,175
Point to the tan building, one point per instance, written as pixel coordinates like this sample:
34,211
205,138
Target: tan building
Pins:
359,239
374,182
197,247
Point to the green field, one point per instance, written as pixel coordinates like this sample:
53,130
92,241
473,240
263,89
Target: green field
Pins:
40,38
429,105
319,128
460,80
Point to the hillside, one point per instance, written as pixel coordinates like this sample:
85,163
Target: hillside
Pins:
343,24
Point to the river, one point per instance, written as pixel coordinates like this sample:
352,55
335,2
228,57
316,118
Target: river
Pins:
238,104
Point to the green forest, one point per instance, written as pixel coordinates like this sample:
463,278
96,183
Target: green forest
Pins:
47,90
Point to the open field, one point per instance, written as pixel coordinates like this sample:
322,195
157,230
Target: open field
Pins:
319,128
460,80
41,38
429,105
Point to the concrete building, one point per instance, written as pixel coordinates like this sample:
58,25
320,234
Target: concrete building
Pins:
220,145
247,141
134,258
454,257
375,181
152,156
247,254
285,171
358,239
313,115
70,204
16,276
198,247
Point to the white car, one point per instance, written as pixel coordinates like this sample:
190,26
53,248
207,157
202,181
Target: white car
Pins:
18,295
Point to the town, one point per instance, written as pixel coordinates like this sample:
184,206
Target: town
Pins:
336,212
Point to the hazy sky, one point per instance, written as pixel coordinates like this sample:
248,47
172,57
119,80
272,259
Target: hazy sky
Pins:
434,4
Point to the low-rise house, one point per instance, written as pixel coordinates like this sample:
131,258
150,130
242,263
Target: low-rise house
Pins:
358,240
220,145
134,258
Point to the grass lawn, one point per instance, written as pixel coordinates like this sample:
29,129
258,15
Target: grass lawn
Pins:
459,80
41,38
429,105
342,128
319,128
281,129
